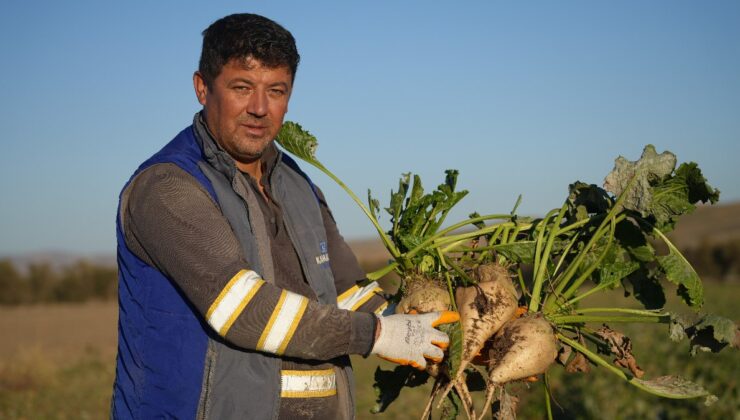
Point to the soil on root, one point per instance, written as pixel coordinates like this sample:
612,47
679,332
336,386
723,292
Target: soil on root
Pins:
503,344
484,304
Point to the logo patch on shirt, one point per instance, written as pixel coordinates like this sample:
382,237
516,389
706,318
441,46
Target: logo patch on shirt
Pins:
324,257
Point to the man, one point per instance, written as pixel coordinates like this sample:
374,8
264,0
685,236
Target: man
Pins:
238,296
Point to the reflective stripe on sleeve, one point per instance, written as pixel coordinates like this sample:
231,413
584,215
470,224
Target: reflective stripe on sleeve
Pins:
381,309
356,296
283,323
232,300
307,384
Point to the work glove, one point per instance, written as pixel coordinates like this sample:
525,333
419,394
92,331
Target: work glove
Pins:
411,339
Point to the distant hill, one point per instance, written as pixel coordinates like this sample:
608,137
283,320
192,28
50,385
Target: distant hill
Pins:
708,225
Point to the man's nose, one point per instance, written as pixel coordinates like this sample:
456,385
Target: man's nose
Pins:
257,104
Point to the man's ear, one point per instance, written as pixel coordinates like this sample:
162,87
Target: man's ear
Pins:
201,88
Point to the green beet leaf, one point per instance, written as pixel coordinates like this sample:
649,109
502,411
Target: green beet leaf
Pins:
373,204
635,241
518,252
397,198
455,349
649,170
675,387
646,287
713,333
585,199
293,138
450,406
678,195
616,266
681,273
706,333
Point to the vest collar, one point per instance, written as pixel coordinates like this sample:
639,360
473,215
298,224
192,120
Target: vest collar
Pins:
220,160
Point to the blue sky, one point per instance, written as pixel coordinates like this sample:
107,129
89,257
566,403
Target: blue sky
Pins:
521,97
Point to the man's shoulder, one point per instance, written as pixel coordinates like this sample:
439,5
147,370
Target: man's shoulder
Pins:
183,148
176,160
160,179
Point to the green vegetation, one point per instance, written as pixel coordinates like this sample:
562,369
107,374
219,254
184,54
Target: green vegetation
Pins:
600,239
594,396
32,387
35,386
80,282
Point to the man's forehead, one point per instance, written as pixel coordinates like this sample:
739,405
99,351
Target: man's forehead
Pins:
251,63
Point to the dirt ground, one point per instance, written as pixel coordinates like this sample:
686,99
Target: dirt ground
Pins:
59,332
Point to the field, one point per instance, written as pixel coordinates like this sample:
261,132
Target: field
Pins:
58,363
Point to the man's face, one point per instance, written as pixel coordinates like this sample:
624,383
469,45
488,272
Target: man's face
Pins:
245,106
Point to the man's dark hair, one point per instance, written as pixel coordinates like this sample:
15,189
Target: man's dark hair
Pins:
245,35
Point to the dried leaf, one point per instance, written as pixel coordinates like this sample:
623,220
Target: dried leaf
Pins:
578,364
505,407
564,354
621,346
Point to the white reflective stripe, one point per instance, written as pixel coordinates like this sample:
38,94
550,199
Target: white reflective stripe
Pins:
356,299
307,384
347,293
232,300
283,322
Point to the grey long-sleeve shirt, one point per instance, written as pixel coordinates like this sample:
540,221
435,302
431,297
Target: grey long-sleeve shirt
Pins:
171,222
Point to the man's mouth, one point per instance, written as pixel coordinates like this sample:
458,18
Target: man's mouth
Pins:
255,130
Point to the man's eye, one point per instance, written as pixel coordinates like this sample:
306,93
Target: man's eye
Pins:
277,92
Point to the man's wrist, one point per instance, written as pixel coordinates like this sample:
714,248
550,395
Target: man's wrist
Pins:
362,337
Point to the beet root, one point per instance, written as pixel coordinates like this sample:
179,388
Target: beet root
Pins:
423,295
485,307
523,347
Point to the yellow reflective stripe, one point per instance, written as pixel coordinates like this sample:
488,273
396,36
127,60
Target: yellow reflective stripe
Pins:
223,293
248,297
321,372
344,296
282,323
232,300
356,297
271,321
308,394
382,308
294,324
367,297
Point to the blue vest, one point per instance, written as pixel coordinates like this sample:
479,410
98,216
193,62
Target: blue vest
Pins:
170,363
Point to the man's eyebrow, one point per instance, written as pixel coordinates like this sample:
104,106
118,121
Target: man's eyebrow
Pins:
240,80
285,85
280,84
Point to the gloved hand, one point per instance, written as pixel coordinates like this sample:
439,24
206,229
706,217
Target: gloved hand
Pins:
409,339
